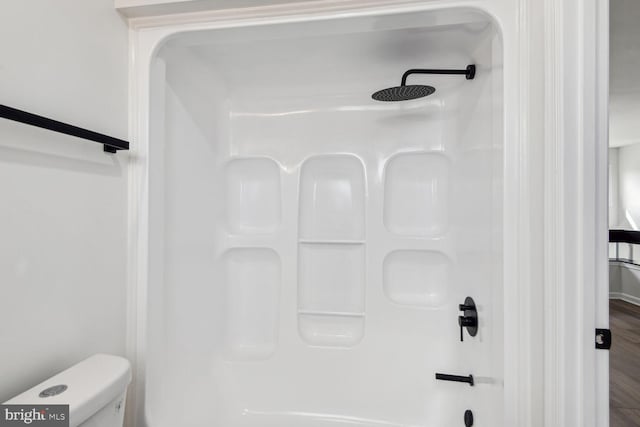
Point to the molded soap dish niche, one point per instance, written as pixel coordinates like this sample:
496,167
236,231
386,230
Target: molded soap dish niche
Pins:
253,195
417,278
417,190
252,277
331,330
332,199
331,293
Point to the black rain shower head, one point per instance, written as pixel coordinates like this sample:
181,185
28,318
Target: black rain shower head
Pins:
404,92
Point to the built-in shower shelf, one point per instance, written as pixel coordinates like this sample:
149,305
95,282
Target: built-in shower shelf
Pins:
253,195
419,278
416,194
253,281
328,330
331,250
332,242
330,313
332,198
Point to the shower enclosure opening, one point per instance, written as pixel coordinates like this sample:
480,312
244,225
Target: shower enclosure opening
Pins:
311,249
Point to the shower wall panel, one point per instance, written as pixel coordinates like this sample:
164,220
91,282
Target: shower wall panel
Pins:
312,245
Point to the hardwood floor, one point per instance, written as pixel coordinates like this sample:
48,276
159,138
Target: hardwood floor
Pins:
624,364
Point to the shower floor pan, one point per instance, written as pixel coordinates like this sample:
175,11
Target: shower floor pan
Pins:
309,246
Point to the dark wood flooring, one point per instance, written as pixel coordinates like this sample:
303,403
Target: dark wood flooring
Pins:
624,373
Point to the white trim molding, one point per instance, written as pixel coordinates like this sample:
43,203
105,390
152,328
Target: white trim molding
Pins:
576,270
625,297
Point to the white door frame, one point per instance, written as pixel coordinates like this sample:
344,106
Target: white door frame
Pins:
576,391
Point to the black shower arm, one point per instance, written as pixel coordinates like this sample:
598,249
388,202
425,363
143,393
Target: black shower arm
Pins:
469,72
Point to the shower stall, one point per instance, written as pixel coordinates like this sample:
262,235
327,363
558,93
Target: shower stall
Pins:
308,248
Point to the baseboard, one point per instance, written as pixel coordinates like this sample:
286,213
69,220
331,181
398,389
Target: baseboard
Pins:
625,297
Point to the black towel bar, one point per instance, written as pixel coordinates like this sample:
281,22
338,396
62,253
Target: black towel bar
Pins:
111,144
456,378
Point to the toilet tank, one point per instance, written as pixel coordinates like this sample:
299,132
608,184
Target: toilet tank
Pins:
95,391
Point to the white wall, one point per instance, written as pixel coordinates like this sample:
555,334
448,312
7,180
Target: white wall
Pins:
63,201
629,187
624,282
624,212
615,285
625,62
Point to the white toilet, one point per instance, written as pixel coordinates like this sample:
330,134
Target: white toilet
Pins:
95,390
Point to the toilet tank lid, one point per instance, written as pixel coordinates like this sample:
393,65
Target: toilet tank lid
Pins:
91,385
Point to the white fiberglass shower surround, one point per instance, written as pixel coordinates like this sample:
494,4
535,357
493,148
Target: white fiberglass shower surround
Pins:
307,247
